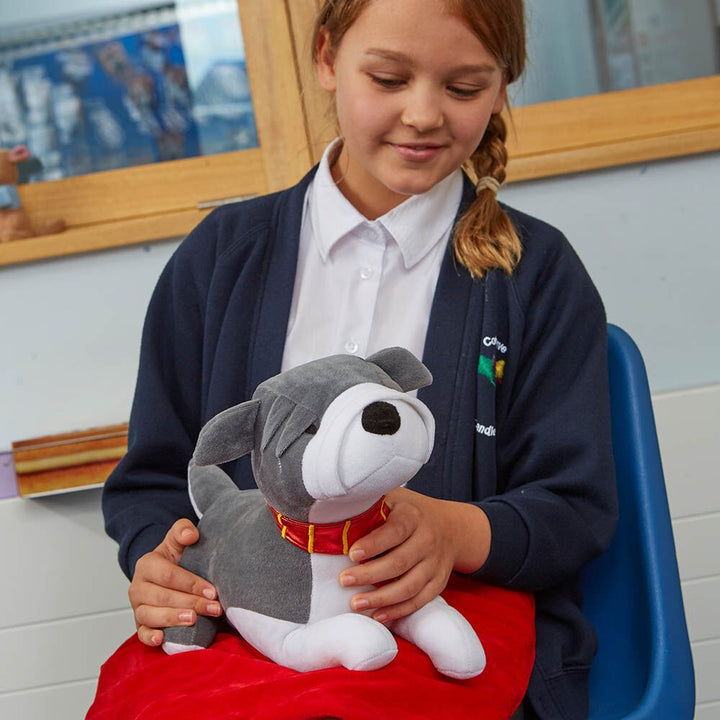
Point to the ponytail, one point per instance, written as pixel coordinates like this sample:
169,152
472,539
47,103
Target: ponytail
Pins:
485,237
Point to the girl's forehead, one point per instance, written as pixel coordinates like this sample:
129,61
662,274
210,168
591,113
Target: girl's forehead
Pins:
406,30
408,14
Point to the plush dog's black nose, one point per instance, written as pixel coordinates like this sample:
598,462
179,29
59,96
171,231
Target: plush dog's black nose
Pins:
381,418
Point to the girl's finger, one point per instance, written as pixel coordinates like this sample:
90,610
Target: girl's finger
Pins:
402,589
398,528
161,617
151,595
381,569
178,537
157,570
388,613
150,636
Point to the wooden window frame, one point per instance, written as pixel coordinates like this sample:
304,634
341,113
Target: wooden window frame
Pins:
166,200
615,128
567,136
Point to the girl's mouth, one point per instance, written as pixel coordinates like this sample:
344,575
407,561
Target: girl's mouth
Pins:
417,152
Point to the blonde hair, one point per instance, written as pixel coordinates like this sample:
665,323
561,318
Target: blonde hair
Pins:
484,237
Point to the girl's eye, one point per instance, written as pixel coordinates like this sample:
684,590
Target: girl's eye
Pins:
385,82
463,92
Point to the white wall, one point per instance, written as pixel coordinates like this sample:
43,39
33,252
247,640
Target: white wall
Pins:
688,423
69,330
69,333
64,605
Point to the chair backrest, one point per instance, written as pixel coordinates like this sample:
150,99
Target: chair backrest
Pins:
632,592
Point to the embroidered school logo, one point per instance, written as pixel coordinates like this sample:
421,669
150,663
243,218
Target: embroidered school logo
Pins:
494,342
488,365
492,369
486,430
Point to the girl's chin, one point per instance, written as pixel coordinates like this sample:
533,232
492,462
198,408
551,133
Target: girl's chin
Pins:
414,186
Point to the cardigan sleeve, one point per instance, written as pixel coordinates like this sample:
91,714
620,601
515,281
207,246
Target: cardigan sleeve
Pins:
557,509
147,491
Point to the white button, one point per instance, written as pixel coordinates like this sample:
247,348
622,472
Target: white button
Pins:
351,347
366,273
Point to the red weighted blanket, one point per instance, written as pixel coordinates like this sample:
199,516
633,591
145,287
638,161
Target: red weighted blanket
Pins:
232,680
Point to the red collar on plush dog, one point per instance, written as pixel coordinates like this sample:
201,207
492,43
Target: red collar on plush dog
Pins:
331,538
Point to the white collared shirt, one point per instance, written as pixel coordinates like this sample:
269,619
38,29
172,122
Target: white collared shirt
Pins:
362,285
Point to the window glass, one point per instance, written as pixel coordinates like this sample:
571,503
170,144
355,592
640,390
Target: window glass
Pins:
584,47
96,89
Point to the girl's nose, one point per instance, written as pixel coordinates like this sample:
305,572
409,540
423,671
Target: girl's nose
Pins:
423,111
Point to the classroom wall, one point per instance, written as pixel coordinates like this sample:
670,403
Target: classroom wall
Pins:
69,333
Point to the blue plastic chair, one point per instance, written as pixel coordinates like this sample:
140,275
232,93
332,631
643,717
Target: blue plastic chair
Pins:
643,670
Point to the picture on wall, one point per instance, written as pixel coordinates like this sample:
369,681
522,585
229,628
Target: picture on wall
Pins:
114,92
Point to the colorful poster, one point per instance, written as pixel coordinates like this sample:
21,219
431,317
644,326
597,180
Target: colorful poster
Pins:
93,102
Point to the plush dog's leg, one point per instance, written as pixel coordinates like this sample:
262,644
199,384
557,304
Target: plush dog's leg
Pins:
446,637
194,637
353,641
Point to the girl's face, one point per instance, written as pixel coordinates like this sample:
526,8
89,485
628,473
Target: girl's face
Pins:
415,89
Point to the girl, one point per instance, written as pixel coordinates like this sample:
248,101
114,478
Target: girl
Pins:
387,242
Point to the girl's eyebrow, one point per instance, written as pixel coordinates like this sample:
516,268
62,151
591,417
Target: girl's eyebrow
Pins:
407,60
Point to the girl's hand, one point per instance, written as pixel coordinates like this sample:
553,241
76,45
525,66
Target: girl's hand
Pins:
162,594
414,552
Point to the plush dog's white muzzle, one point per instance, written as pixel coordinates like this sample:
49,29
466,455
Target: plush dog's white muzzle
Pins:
346,458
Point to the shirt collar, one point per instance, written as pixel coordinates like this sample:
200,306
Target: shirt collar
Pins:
416,225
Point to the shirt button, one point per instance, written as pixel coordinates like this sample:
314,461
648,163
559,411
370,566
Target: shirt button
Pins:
351,347
366,273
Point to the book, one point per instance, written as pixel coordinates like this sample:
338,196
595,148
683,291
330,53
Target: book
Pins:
68,461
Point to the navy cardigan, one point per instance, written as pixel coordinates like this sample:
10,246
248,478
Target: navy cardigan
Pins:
519,396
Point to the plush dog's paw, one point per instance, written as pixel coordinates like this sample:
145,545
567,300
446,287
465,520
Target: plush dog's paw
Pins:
172,648
368,644
354,641
446,637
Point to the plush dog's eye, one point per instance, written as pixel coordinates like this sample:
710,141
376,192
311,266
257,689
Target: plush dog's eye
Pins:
311,430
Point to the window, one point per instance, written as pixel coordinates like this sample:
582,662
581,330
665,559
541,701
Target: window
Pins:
553,136
166,199
616,81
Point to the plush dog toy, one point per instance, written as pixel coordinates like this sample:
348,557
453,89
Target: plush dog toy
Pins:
14,221
328,439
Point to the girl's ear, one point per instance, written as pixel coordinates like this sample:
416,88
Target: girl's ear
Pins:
325,61
501,99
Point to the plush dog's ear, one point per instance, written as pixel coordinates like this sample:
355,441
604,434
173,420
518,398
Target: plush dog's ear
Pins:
228,436
403,367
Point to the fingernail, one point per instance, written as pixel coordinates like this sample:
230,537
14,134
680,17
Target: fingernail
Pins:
214,609
357,555
185,616
347,580
186,534
209,593
360,604
380,617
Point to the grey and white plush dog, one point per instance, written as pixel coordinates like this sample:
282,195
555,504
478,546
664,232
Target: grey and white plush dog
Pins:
328,440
